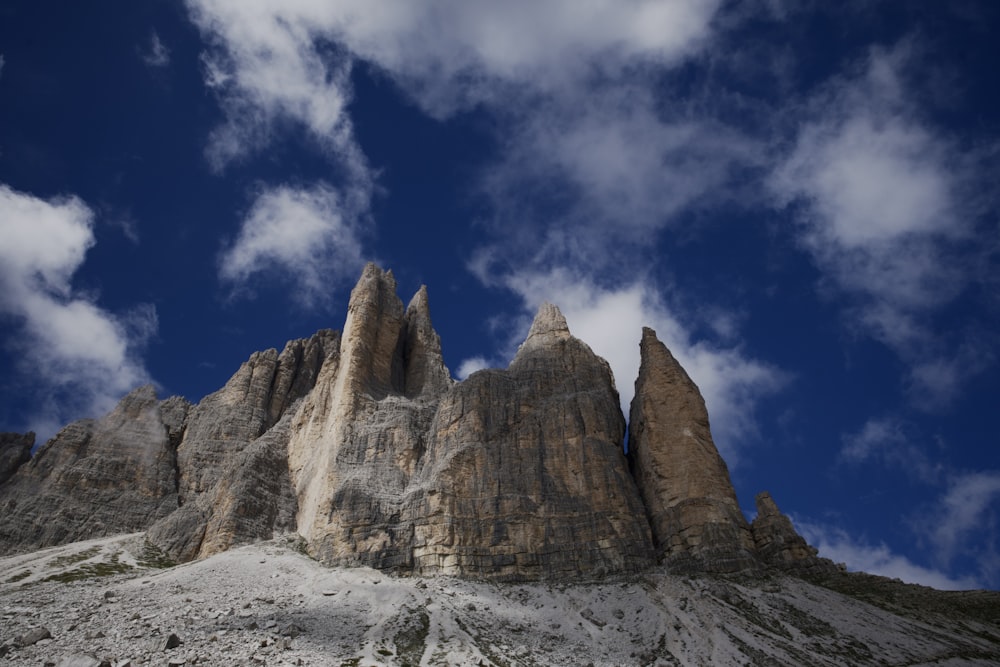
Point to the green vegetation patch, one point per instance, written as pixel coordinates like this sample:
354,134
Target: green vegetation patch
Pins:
24,574
73,559
154,557
91,571
411,640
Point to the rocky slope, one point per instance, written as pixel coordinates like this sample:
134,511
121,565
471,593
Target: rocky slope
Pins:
267,604
363,444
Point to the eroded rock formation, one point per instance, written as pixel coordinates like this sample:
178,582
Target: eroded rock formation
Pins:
97,477
524,475
777,543
364,445
233,482
696,520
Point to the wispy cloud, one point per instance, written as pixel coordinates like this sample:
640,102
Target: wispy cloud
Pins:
961,526
275,65
886,207
895,444
75,358
309,238
861,556
965,523
157,54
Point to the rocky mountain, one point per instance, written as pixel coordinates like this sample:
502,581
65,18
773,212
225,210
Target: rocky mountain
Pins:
358,449
362,444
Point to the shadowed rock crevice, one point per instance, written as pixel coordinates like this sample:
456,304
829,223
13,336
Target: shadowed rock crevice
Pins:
15,451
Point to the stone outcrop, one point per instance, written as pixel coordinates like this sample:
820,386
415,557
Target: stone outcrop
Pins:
363,445
777,543
97,477
524,474
358,438
233,478
253,400
15,450
696,520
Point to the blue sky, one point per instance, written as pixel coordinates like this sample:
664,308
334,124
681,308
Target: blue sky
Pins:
801,201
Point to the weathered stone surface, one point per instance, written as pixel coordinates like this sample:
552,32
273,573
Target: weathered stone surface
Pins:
95,478
358,437
364,445
80,660
524,475
234,481
777,542
33,636
252,401
15,450
695,517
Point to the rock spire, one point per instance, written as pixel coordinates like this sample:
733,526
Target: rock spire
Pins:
696,520
363,445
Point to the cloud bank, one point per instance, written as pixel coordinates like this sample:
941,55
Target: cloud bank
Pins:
74,357
886,205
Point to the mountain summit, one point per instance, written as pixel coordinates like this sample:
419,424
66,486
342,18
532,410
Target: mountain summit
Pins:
362,444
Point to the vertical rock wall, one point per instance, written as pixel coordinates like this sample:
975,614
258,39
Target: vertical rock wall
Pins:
524,476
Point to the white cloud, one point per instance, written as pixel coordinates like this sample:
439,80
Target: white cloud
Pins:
272,65
892,442
610,321
882,199
158,55
451,54
309,236
859,556
76,358
473,364
969,508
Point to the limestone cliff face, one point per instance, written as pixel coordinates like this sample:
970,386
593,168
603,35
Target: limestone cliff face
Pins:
696,520
524,475
357,440
232,465
95,478
252,401
364,445
15,450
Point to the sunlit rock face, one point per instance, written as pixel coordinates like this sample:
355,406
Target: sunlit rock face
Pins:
363,445
696,520
524,475
358,438
232,471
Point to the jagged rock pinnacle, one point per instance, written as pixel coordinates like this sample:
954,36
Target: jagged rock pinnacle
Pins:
364,445
695,517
